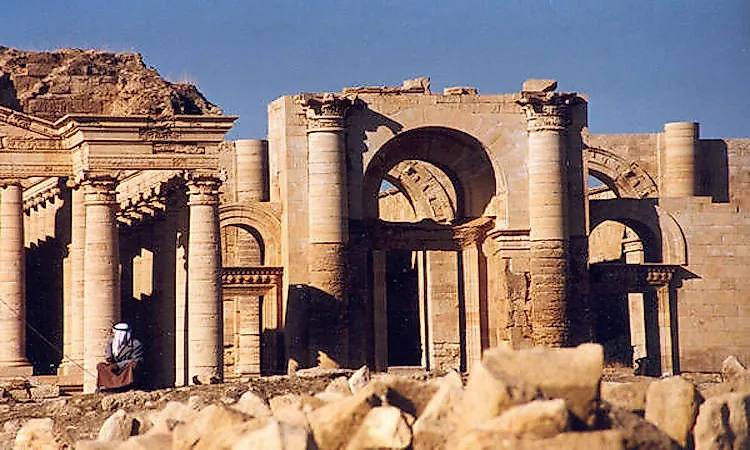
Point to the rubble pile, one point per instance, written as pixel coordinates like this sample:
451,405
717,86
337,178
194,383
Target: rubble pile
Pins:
529,399
52,84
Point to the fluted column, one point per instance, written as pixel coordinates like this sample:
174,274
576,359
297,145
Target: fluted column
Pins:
547,121
74,316
13,360
101,289
328,225
204,310
678,163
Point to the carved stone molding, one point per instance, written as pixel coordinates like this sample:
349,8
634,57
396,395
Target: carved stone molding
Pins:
41,193
326,112
629,178
547,111
178,148
5,182
163,132
251,275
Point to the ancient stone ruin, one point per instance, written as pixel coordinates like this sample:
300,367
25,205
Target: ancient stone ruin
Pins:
382,226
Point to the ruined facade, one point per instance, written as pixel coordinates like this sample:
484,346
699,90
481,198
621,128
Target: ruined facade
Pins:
388,226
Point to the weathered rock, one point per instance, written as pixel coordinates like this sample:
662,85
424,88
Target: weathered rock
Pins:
409,395
118,427
672,405
479,439
514,377
438,420
147,442
208,420
538,419
167,419
723,423
24,389
639,433
732,368
97,445
290,409
315,372
384,427
534,85
359,379
227,437
628,396
37,434
252,405
339,385
276,435
51,84
197,402
334,423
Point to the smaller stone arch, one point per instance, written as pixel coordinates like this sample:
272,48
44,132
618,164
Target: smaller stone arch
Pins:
626,178
261,218
649,221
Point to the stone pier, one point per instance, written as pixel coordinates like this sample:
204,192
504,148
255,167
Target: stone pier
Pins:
678,159
13,360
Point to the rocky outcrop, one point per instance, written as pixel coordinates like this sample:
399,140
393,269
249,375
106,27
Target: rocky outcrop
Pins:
52,84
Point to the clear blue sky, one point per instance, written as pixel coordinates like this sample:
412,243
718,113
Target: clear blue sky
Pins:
642,63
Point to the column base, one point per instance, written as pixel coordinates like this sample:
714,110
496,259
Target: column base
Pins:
23,369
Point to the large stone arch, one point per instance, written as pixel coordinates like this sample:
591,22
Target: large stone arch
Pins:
261,218
458,155
626,178
651,222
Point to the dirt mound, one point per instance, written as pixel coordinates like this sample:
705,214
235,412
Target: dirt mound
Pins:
52,84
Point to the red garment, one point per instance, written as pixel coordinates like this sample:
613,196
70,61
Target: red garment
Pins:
109,376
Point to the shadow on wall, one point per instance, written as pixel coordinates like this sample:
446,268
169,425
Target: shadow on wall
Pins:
316,325
713,180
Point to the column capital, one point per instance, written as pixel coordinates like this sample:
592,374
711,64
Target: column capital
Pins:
325,112
5,182
100,188
203,187
547,111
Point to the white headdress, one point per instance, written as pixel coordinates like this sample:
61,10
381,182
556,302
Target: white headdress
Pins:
121,337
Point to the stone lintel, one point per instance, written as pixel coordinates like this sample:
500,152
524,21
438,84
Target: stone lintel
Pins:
25,164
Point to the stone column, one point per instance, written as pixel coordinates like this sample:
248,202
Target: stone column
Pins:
380,311
13,360
204,309
74,317
251,178
679,175
472,270
547,120
632,247
328,226
101,289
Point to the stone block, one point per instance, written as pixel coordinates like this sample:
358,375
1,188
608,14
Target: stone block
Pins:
384,427
723,423
672,405
208,420
535,85
628,396
638,432
252,405
537,419
592,440
438,420
118,427
37,433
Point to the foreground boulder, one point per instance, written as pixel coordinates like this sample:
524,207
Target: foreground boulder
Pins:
593,440
506,378
672,405
384,427
37,434
723,423
437,423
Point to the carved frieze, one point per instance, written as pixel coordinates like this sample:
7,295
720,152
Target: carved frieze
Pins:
630,180
28,143
251,275
170,147
158,133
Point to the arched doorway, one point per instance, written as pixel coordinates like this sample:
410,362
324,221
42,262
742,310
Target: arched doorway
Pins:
421,186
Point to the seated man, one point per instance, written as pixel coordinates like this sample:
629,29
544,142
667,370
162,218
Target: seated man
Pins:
124,355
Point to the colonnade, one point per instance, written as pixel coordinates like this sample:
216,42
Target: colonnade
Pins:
94,268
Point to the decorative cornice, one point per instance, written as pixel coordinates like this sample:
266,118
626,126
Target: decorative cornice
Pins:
547,111
326,112
40,193
251,275
100,188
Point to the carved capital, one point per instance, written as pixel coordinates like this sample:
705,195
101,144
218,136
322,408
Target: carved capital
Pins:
99,188
326,112
6,182
547,111
203,187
